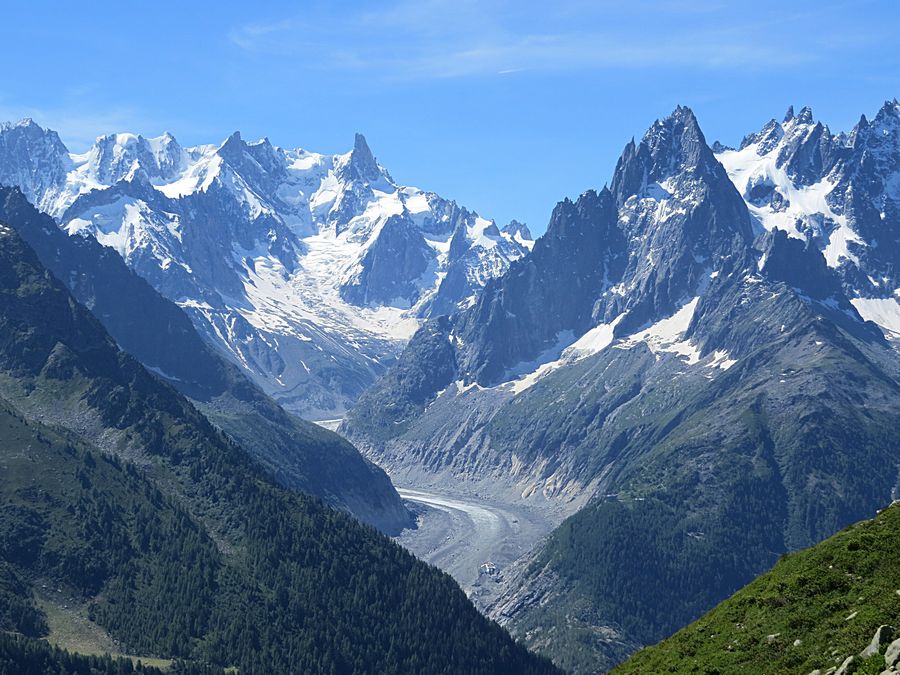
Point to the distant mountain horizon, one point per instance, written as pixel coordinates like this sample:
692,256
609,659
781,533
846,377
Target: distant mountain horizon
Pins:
278,256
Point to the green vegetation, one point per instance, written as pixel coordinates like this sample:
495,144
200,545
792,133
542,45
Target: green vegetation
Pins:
180,545
70,628
831,598
17,609
19,654
643,543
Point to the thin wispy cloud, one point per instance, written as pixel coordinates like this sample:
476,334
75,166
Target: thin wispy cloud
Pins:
440,39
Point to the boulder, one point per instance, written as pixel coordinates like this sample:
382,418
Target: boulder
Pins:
881,637
847,667
892,655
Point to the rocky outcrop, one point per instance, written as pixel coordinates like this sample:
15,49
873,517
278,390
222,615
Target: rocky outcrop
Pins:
390,271
892,655
879,640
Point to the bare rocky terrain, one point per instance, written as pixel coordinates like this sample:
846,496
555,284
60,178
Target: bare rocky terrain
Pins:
472,537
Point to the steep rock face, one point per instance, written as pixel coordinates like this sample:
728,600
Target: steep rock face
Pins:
870,192
160,335
281,258
391,269
396,401
554,290
707,398
33,159
361,165
800,265
680,216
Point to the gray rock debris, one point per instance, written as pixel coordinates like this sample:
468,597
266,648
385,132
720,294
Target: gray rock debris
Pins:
892,655
847,667
882,635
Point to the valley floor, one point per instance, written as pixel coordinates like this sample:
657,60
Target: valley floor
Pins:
471,537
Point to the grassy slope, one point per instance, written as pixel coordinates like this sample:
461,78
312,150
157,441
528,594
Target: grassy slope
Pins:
808,596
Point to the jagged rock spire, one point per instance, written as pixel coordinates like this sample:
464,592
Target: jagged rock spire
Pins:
805,116
361,165
232,149
673,145
514,227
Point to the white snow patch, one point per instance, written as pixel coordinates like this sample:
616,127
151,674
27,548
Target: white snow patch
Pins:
595,340
530,372
807,205
666,335
883,311
721,359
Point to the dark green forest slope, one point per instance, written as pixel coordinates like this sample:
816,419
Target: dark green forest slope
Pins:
160,335
21,655
116,488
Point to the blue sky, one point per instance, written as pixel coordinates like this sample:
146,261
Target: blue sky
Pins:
506,107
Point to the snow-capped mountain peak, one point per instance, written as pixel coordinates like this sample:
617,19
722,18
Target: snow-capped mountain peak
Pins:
840,193
117,156
34,159
835,190
360,164
308,270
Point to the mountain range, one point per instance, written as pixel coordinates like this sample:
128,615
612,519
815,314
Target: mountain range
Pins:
128,517
307,271
158,333
696,369
700,359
